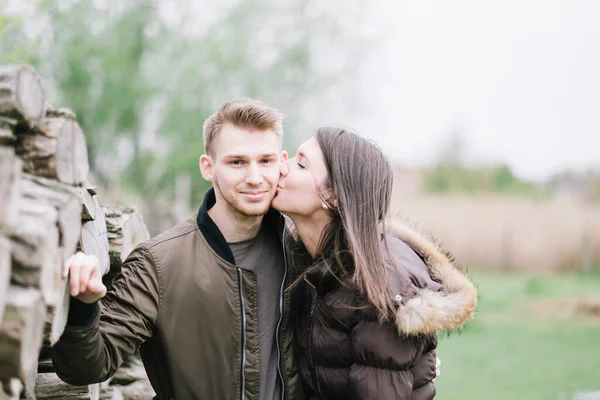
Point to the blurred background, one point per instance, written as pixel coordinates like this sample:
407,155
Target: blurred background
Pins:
488,110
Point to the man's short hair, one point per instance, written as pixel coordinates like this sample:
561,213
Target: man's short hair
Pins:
244,113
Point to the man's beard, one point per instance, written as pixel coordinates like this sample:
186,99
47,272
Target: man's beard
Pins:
231,205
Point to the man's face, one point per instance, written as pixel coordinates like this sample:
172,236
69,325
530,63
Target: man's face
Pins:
244,169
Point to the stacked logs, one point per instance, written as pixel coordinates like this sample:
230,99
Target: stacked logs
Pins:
48,212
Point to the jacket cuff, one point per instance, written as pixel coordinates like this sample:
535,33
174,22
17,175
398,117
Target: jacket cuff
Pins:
82,314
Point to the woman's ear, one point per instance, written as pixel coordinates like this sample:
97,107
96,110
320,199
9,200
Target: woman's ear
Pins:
332,199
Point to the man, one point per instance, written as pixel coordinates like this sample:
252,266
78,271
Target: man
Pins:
204,302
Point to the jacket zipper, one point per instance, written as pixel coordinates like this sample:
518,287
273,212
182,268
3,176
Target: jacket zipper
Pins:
243,311
279,358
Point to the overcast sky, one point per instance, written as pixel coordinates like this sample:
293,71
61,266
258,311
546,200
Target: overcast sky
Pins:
521,79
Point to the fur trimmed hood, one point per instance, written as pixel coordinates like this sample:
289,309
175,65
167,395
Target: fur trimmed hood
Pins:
441,297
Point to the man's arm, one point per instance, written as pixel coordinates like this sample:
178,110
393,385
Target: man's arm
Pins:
100,334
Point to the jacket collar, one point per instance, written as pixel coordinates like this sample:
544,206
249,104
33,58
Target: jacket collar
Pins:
272,220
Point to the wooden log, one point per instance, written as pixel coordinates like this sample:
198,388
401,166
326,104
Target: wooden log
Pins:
45,365
57,313
21,93
4,273
10,187
7,127
21,332
66,201
132,370
34,245
140,390
126,229
10,389
61,113
49,386
90,204
49,217
95,391
55,149
110,393
93,190
28,392
94,238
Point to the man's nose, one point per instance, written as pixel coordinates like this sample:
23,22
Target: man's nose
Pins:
254,177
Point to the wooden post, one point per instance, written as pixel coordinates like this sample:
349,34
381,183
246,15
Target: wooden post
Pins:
587,248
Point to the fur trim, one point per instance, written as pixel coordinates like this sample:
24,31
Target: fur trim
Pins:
430,311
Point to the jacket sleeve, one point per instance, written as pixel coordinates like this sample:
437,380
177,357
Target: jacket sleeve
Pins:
387,365
98,337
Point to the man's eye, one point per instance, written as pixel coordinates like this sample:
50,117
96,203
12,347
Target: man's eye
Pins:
266,161
237,162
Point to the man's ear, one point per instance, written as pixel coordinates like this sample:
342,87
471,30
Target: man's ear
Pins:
206,167
284,156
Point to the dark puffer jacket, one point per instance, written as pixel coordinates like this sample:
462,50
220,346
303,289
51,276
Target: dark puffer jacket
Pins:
344,351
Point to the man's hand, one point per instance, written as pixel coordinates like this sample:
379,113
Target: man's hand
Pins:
85,277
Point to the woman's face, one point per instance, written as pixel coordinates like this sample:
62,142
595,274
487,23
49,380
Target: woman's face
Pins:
301,178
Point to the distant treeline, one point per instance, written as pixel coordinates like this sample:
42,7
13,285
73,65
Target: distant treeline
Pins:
463,179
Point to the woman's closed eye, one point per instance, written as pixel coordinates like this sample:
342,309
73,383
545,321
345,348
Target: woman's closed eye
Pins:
301,166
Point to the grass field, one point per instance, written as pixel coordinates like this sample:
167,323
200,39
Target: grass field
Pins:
534,338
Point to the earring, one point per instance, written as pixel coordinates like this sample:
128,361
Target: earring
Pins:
324,205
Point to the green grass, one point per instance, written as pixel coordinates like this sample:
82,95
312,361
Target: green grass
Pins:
523,342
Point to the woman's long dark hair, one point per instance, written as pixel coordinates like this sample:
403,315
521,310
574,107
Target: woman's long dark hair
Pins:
358,192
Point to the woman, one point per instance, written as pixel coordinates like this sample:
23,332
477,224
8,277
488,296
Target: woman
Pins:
368,303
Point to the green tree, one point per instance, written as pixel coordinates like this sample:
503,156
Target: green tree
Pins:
142,85
15,46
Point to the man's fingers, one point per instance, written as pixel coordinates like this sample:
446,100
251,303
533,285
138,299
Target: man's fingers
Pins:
74,279
84,277
75,259
66,265
96,287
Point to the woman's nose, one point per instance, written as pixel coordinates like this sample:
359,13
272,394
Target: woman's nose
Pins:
284,169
